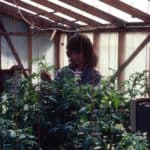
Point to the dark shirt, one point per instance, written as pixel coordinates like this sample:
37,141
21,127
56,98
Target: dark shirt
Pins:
88,76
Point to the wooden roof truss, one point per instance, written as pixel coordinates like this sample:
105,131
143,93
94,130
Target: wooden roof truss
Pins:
54,20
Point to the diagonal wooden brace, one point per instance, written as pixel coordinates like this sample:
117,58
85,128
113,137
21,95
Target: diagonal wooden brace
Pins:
10,44
132,56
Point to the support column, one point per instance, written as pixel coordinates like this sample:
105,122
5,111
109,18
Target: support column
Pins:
30,50
57,50
121,55
95,41
0,52
96,37
149,69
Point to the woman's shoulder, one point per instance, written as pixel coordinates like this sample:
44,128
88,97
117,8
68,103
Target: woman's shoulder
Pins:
93,71
63,72
91,76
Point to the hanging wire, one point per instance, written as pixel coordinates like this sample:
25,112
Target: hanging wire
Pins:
81,29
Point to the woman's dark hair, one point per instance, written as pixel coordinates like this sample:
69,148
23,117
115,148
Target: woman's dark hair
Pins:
81,43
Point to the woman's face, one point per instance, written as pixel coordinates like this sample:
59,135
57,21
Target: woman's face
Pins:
76,59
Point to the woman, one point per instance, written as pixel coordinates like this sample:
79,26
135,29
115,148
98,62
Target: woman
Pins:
82,60
82,65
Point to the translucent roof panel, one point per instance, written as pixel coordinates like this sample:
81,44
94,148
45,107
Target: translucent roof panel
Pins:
21,8
81,23
143,5
26,10
38,5
111,10
64,16
78,11
46,18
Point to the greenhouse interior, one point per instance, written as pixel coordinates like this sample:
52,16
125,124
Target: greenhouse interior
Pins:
74,74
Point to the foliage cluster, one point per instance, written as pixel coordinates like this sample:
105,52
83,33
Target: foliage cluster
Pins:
64,115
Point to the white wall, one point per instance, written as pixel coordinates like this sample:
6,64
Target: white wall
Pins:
108,53
41,45
141,62
19,42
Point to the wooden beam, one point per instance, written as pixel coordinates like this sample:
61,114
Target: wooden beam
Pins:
96,38
12,48
149,71
0,52
57,50
68,12
117,29
30,50
39,11
14,33
121,54
11,11
94,11
110,29
96,41
132,56
128,9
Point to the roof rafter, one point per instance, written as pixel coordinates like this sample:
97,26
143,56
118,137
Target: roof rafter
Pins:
12,11
128,9
68,12
45,13
94,11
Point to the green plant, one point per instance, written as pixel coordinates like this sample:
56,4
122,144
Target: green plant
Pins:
63,115
133,142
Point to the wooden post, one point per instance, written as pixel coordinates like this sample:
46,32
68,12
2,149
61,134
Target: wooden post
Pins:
149,70
0,52
30,50
121,54
57,50
132,56
12,48
95,41
96,37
